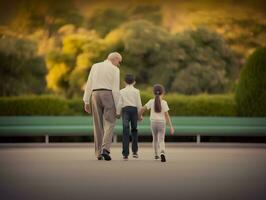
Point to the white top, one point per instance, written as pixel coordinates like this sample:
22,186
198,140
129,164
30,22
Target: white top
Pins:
154,116
129,96
103,75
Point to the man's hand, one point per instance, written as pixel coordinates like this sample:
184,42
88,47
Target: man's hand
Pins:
118,116
87,108
140,117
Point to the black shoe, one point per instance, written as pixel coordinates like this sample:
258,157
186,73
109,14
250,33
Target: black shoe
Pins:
105,155
163,158
135,155
156,157
125,157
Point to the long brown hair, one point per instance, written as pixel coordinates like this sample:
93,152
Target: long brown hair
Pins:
157,91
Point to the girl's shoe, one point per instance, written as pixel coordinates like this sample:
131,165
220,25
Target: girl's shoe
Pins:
156,157
163,158
135,155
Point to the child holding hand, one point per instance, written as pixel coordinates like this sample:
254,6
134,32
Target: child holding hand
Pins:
158,116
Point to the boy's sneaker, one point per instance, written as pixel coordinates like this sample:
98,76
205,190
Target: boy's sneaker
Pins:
163,158
125,157
156,157
135,155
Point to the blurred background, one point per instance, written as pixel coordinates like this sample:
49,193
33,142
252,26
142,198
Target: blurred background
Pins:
197,49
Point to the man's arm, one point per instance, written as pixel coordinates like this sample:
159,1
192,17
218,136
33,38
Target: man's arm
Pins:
116,86
87,92
119,105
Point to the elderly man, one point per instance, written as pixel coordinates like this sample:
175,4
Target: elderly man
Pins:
103,89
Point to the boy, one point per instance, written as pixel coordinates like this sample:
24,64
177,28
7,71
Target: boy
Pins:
130,104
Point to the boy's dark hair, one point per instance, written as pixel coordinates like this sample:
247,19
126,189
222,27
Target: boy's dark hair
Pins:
129,79
157,91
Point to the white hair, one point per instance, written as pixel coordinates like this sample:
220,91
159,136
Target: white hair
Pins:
113,55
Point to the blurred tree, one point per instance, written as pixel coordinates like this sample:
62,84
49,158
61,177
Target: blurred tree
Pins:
21,70
190,63
197,78
208,65
143,43
48,15
149,12
59,66
68,67
105,20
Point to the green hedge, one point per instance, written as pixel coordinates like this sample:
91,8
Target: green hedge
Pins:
76,106
251,90
33,105
199,105
180,105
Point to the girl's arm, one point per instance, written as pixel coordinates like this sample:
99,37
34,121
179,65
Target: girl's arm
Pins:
142,110
168,120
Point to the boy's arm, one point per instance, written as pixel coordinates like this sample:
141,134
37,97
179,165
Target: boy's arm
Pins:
169,122
139,104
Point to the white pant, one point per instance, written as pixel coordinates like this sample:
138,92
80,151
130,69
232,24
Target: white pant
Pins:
158,134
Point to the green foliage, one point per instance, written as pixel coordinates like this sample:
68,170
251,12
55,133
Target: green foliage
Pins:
99,18
69,66
21,70
117,17
197,105
76,106
149,12
201,105
33,105
49,15
207,63
251,90
190,63
180,105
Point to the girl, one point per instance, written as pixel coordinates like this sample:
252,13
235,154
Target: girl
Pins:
158,116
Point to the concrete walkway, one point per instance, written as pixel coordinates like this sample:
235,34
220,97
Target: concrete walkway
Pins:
191,172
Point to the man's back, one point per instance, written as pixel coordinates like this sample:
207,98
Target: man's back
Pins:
103,75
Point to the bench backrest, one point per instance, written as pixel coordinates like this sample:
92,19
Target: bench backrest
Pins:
177,121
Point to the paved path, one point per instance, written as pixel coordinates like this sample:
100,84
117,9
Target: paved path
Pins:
191,172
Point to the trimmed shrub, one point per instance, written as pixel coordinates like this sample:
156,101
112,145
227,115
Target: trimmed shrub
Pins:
198,105
201,105
251,90
76,106
33,105
180,105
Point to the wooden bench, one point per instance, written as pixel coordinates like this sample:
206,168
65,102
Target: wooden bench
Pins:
83,126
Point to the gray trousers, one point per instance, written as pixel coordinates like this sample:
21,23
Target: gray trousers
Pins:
104,117
158,135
